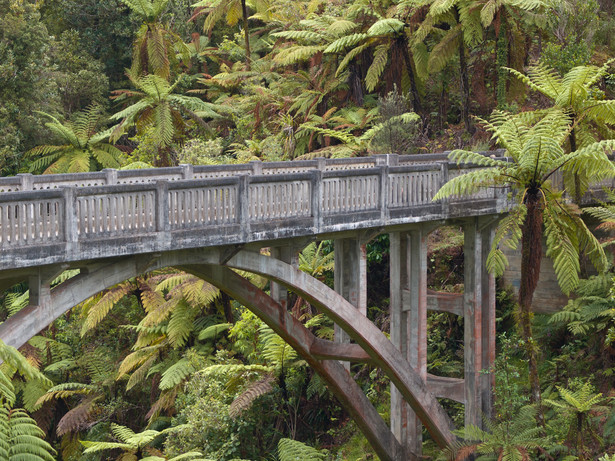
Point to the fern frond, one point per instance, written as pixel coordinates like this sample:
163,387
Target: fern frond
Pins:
99,311
65,390
176,373
292,450
381,57
77,418
445,50
386,26
254,391
296,54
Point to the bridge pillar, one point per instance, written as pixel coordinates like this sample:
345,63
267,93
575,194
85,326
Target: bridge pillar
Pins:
479,321
350,277
290,255
409,326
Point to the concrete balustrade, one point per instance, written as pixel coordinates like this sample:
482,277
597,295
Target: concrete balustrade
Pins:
123,212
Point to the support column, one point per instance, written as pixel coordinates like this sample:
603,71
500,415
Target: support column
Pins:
409,326
479,321
487,379
350,277
290,255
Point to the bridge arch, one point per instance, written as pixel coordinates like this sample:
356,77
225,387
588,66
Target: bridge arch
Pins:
214,266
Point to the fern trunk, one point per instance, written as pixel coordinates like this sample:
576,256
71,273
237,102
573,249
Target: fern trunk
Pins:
414,91
464,87
244,12
577,181
579,442
531,258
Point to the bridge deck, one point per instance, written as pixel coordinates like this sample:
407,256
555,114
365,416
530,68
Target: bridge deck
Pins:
66,218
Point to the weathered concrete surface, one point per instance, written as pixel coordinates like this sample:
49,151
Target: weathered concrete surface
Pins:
18,329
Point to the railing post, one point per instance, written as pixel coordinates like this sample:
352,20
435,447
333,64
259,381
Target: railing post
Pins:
384,193
110,176
322,163
387,159
257,167
316,199
243,206
162,207
443,180
26,181
70,218
187,171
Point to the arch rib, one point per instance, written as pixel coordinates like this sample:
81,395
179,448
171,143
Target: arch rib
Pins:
366,334
302,340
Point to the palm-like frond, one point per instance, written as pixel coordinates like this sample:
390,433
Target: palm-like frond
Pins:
84,148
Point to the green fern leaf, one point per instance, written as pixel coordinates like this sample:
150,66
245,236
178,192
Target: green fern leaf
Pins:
381,56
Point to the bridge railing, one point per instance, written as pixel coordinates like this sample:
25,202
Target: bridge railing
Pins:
80,207
110,177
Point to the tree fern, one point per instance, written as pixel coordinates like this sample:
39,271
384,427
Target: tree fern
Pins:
82,148
534,143
508,440
292,450
20,437
575,405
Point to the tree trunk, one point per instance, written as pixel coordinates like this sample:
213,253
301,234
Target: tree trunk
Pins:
531,257
465,88
579,441
414,91
577,182
246,34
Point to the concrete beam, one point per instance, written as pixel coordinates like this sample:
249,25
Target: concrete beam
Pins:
445,302
289,254
329,350
446,388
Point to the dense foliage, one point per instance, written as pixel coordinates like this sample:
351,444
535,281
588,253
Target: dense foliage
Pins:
165,366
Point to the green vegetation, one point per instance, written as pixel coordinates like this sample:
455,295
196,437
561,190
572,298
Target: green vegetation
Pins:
165,366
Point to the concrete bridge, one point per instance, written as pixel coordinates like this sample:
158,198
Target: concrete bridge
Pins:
208,220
